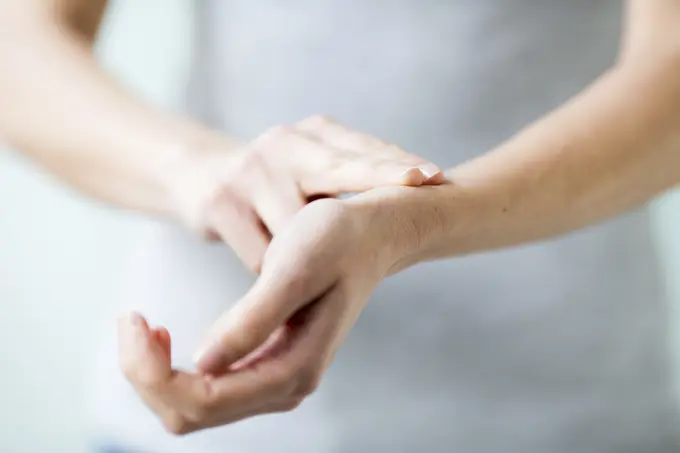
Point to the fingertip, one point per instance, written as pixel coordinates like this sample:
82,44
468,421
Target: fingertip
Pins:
423,174
413,177
430,170
436,180
162,333
210,359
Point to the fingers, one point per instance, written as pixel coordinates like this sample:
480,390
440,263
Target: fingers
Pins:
162,336
275,176
320,167
335,134
243,329
179,399
269,304
141,356
314,344
297,355
274,345
239,226
388,159
277,207
287,370
143,360
290,364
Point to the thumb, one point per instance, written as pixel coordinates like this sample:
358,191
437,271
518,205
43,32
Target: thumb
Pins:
269,304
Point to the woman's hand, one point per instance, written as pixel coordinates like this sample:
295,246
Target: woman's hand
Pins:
245,198
270,351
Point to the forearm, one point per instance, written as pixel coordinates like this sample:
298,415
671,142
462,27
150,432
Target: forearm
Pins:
609,150
63,111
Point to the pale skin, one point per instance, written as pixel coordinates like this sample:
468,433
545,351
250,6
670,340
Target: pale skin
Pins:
608,150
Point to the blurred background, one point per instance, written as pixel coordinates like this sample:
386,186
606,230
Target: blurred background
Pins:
59,254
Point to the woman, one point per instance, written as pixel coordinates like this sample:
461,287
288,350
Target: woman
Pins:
557,346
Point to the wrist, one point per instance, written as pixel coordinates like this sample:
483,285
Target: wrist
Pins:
406,223
197,174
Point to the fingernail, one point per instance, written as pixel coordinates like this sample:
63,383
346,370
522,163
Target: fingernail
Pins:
209,358
413,173
429,170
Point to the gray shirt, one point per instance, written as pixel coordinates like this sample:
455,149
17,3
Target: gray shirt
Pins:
556,347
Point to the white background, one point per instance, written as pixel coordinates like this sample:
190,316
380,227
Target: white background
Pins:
59,253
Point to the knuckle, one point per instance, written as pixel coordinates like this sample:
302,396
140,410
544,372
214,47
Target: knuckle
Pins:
252,161
316,121
151,382
272,135
176,423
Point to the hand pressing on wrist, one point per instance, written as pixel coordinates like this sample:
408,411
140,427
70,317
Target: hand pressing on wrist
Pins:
270,351
246,197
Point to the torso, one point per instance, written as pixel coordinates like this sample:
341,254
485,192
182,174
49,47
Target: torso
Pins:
556,347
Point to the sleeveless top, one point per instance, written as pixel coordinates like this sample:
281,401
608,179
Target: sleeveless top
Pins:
556,347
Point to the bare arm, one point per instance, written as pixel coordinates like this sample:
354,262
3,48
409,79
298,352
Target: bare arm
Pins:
610,149
60,109
63,111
